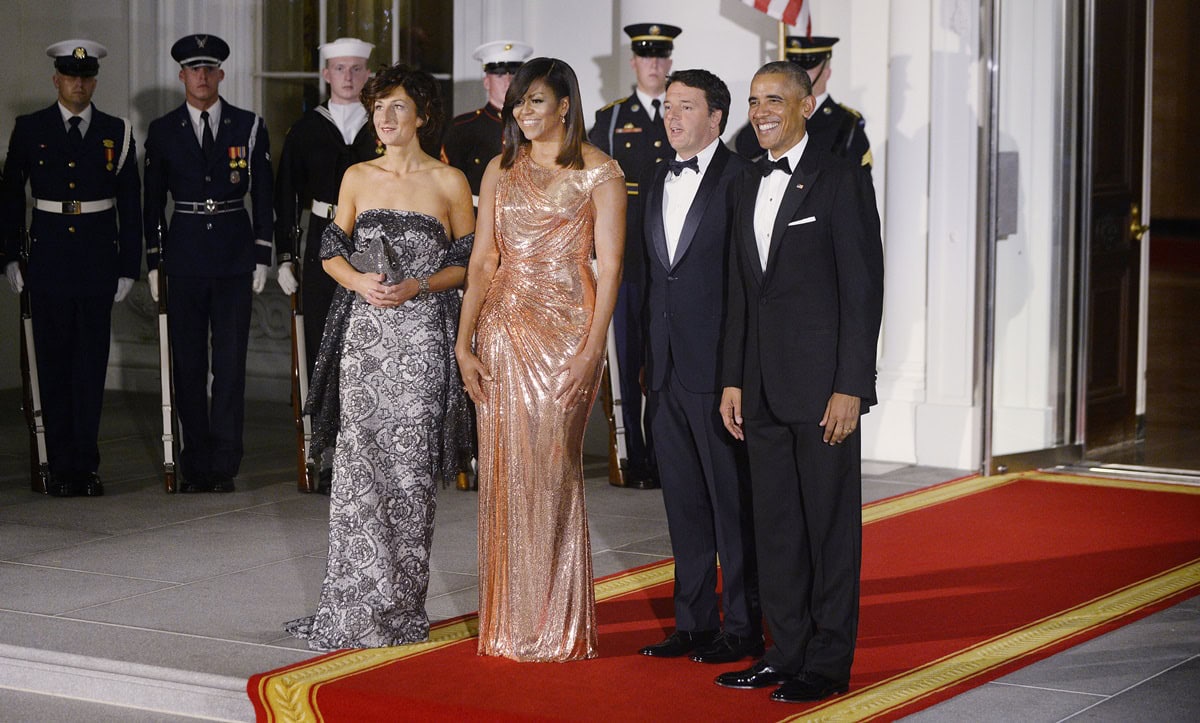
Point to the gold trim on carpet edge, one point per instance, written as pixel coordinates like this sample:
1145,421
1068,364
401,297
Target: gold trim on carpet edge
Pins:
979,659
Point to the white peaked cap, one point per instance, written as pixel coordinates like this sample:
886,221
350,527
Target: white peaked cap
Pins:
345,48
502,51
69,47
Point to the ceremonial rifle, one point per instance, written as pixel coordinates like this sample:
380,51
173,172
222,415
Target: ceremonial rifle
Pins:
166,381
39,466
306,467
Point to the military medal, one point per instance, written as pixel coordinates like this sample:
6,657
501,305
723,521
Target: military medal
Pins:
109,153
235,155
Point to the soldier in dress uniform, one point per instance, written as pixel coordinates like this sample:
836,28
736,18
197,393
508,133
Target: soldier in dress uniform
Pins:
832,125
81,166
318,149
473,138
209,156
631,130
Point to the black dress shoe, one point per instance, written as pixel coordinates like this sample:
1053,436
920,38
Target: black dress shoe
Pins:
679,644
91,486
222,483
726,648
194,485
807,688
60,485
759,675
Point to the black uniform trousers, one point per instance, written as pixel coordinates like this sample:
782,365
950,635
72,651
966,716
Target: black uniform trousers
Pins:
708,511
316,293
809,575
630,340
71,334
212,438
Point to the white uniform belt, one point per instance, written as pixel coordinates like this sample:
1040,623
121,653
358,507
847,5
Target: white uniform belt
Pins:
209,207
74,208
320,209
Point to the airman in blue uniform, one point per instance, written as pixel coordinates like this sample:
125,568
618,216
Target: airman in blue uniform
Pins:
85,243
209,156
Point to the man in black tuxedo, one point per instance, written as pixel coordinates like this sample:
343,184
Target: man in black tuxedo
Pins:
686,227
798,367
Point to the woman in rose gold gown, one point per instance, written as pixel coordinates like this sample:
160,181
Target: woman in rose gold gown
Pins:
539,317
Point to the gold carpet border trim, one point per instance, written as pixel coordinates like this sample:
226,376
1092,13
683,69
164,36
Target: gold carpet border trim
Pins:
934,496
977,660
1128,484
635,580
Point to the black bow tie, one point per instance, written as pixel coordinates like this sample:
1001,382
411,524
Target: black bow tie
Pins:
767,166
676,167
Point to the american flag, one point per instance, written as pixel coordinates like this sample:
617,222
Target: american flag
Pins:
792,12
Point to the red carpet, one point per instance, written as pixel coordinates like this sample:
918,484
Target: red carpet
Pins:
962,583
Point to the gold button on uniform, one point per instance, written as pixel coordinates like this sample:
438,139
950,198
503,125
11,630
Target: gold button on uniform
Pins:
658,144
71,184
70,164
628,144
71,229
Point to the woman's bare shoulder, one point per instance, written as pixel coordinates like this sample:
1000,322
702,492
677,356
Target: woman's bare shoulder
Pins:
593,157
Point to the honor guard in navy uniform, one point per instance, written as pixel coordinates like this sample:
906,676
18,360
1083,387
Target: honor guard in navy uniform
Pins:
209,156
837,127
473,138
85,252
318,149
631,130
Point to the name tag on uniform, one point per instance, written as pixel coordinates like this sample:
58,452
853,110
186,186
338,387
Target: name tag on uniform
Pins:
803,221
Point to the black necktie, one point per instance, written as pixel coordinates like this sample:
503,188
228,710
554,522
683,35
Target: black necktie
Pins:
676,167
74,134
207,133
655,116
767,166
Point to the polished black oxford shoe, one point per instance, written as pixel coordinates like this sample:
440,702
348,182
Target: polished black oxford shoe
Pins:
726,648
222,483
759,675
808,688
679,643
194,485
60,485
90,485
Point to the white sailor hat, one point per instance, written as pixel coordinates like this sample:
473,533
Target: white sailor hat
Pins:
200,51
345,48
77,57
502,55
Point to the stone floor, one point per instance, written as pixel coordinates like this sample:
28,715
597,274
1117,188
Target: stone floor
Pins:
142,606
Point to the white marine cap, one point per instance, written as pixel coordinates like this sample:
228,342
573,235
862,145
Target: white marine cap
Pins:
502,54
77,57
345,48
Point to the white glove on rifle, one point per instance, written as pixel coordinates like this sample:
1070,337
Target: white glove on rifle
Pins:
259,281
13,272
124,284
152,277
287,278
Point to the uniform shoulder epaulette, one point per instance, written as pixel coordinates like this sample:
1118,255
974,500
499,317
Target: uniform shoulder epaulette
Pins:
616,102
850,110
467,117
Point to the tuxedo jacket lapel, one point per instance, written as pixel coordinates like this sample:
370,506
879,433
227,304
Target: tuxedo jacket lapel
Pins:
749,196
654,211
691,223
799,184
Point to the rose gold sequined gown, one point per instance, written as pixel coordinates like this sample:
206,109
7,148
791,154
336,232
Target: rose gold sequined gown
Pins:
535,562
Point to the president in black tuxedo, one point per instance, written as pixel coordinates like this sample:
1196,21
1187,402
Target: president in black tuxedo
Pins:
805,304
686,227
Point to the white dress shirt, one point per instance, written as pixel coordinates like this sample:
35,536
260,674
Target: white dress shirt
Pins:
349,119
678,194
85,118
214,121
648,102
770,195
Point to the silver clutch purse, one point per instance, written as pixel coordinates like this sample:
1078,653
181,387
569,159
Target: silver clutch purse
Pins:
378,258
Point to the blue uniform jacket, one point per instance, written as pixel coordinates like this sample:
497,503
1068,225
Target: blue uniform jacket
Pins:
218,244
79,254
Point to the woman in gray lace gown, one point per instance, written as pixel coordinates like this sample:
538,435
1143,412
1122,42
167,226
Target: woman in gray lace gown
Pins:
385,381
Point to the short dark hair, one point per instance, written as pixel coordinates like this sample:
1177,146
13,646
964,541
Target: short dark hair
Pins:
560,79
716,93
425,93
798,75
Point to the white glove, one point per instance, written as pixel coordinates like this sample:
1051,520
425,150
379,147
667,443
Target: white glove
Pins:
152,277
258,282
287,278
13,272
124,284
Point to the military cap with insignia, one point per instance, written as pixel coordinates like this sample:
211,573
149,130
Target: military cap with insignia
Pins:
809,52
199,51
345,48
652,40
502,56
79,58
